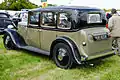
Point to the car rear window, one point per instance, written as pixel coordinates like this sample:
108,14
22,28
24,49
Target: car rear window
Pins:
91,18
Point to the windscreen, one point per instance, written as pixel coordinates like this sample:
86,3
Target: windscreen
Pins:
91,18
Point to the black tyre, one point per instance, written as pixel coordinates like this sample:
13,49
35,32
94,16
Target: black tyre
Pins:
62,56
114,44
8,43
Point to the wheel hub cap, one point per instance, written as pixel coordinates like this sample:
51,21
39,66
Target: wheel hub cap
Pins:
62,54
7,40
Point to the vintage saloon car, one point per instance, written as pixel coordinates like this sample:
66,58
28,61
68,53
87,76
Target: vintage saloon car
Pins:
68,34
5,21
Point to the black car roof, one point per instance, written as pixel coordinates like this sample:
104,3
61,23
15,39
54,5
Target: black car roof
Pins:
4,13
67,7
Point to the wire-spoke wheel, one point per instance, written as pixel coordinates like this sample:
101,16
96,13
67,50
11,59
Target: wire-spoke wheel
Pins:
62,56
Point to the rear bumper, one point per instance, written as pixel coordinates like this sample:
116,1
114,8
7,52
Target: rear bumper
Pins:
102,55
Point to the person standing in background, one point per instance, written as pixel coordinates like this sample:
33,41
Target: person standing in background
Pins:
108,15
114,27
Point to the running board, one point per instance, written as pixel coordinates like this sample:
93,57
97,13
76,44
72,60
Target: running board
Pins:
37,50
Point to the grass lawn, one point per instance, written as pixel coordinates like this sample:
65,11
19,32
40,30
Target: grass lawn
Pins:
24,65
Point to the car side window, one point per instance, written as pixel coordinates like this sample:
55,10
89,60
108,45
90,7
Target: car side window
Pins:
34,18
48,19
64,21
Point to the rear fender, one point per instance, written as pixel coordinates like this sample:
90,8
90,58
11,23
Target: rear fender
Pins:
71,44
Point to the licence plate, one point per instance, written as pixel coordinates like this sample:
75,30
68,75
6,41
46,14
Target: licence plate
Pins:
100,37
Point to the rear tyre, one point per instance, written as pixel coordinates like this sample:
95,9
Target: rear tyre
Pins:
8,43
62,56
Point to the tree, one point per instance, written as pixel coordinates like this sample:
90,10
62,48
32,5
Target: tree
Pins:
17,5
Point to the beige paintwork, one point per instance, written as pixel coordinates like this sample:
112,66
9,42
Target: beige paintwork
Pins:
95,48
33,37
92,48
47,37
43,39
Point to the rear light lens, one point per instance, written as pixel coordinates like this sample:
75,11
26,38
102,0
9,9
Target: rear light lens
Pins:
106,25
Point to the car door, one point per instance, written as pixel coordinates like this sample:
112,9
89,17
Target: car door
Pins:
22,29
33,30
48,33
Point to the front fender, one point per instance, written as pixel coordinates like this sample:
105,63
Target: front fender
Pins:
71,44
16,38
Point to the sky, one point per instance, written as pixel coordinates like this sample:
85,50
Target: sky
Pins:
108,4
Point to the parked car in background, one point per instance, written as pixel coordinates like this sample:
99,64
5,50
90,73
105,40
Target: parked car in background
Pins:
16,18
20,16
5,22
68,34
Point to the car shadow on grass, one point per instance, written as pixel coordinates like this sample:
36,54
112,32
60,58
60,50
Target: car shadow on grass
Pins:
96,63
92,64
42,57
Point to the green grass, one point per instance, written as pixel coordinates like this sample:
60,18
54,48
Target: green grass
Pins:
24,65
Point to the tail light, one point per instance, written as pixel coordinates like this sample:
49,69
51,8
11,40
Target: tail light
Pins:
106,25
109,35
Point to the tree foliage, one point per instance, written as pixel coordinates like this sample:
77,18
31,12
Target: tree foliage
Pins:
16,5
